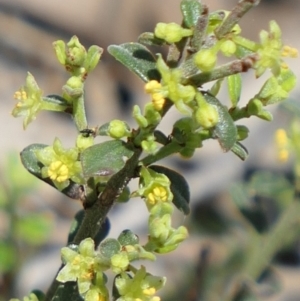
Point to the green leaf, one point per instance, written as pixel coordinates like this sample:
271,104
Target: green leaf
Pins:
127,237
225,130
31,163
105,159
137,58
239,150
109,247
191,11
179,187
56,99
215,89
234,84
76,223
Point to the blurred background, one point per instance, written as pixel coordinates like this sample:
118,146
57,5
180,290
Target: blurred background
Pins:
27,30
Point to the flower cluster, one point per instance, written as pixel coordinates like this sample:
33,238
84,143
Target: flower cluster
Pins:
142,286
155,189
60,165
31,102
75,58
171,32
170,87
271,50
86,266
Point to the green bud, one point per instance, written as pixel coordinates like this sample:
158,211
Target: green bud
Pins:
83,142
242,132
124,196
177,236
149,145
228,48
139,118
119,262
73,88
161,209
160,227
187,152
255,107
206,115
205,59
76,52
93,57
172,32
118,129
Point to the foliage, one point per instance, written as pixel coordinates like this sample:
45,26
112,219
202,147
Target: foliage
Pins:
98,174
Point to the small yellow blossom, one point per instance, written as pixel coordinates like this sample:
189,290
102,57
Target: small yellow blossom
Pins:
158,194
30,101
60,165
158,94
288,51
58,171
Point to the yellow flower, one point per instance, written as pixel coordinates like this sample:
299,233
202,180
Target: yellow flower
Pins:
30,101
60,165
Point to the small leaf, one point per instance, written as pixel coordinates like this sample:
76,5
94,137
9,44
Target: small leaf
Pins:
30,162
105,159
127,237
191,11
179,187
137,58
109,247
225,130
215,89
234,84
56,99
239,150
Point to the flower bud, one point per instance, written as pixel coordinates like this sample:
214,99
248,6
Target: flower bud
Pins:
228,48
118,129
205,59
83,142
207,115
73,88
76,52
172,32
242,132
